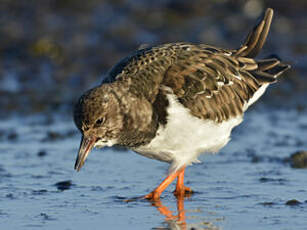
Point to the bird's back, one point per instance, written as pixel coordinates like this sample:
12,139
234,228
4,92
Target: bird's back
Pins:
213,83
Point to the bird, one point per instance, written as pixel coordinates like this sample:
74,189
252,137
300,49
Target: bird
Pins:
173,102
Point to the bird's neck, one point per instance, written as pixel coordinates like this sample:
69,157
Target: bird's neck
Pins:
139,121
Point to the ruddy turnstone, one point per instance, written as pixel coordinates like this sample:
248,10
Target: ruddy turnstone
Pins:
173,102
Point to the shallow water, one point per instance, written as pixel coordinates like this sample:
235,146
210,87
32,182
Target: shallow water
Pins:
245,186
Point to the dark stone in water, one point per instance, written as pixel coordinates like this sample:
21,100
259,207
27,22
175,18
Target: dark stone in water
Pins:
12,136
293,202
10,196
63,185
266,179
45,216
299,159
42,153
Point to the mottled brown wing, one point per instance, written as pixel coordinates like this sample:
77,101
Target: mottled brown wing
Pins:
211,83
144,70
216,83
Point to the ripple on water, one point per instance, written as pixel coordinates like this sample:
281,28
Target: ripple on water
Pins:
251,183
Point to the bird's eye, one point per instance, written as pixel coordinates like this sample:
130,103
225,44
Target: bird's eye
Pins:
99,121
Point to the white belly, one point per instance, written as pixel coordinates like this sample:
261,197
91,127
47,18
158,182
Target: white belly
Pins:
185,137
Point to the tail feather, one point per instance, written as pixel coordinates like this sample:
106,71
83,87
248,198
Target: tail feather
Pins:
267,64
266,70
269,70
263,77
256,38
278,70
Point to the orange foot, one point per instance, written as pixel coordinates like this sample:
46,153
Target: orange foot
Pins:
153,196
183,192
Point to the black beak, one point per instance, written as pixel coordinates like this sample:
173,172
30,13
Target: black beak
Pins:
86,145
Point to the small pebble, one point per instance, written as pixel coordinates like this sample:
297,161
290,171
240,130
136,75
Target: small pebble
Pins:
10,196
45,216
299,159
63,185
12,136
42,153
293,202
266,179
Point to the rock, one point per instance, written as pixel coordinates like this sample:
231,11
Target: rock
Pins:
42,153
299,159
63,185
12,136
293,202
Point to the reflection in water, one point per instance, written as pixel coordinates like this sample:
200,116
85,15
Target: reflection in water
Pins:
173,221
179,221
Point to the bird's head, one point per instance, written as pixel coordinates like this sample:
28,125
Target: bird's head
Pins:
98,116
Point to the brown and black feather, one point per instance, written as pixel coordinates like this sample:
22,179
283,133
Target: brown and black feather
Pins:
213,83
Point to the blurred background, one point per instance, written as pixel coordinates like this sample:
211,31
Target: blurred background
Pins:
53,50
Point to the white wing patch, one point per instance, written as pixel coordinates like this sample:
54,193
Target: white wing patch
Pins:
256,96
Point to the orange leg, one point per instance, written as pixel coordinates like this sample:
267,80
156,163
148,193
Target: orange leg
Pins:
155,194
181,190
